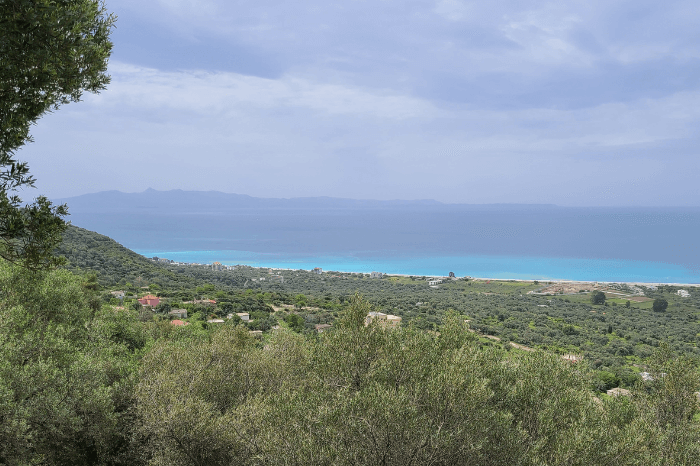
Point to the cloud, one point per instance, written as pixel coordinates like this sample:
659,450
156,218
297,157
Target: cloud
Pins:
220,92
570,103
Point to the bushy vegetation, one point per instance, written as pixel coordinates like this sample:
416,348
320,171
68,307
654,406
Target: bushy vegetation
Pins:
85,383
67,373
614,337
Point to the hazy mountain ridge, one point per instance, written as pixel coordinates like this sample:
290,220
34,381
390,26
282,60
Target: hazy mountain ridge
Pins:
216,201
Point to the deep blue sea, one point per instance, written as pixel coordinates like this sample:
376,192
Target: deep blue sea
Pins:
416,238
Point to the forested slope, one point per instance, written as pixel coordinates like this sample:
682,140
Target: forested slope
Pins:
116,265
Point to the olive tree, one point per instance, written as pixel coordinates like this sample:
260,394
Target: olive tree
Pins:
51,51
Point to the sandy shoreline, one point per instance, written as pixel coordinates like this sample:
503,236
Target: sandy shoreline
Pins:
542,281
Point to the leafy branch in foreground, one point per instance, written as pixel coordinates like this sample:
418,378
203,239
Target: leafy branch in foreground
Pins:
51,51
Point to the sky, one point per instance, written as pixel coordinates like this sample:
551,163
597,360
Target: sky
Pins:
577,103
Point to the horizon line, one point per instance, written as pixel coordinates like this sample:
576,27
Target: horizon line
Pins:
538,204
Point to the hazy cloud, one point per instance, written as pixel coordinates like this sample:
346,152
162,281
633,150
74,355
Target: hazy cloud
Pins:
573,103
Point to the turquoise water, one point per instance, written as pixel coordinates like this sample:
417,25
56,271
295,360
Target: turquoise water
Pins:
502,267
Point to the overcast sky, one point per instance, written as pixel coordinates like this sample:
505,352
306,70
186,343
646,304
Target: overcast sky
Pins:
572,103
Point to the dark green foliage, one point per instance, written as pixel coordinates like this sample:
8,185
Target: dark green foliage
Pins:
30,233
598,297
67,372
296,322
660,305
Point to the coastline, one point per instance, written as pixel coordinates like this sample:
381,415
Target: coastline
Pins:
545,281
553,280
501,268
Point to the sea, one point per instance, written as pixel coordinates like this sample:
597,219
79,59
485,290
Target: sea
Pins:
494,267
423,238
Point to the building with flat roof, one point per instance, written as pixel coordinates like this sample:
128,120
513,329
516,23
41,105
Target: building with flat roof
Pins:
386,320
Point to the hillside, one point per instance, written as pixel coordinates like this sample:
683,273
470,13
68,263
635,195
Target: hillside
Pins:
114,264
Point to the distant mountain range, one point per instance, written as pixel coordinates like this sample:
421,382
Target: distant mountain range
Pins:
181,201
213,221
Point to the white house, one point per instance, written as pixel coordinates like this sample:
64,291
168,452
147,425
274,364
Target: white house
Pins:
387,320
179,313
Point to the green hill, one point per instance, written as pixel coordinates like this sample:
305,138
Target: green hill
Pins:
114,264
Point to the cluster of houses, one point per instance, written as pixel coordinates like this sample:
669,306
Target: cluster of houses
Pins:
177,315
215,266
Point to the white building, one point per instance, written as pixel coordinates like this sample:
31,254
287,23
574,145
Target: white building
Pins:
387,320
683,293
179,313
376,275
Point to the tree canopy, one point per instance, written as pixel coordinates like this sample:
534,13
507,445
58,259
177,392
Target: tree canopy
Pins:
598,297
51,51
660,305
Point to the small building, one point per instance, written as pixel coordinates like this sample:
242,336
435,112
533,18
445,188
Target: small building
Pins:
617,391
117,294
255,332
376,275
387,320
683,293
452,275
179,313
217,266
215,321
647,377
150,300
244,316
178,323
317,270
434,282
393,321
320,328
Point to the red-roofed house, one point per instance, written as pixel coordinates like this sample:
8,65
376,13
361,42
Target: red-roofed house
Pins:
150,300
178,323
